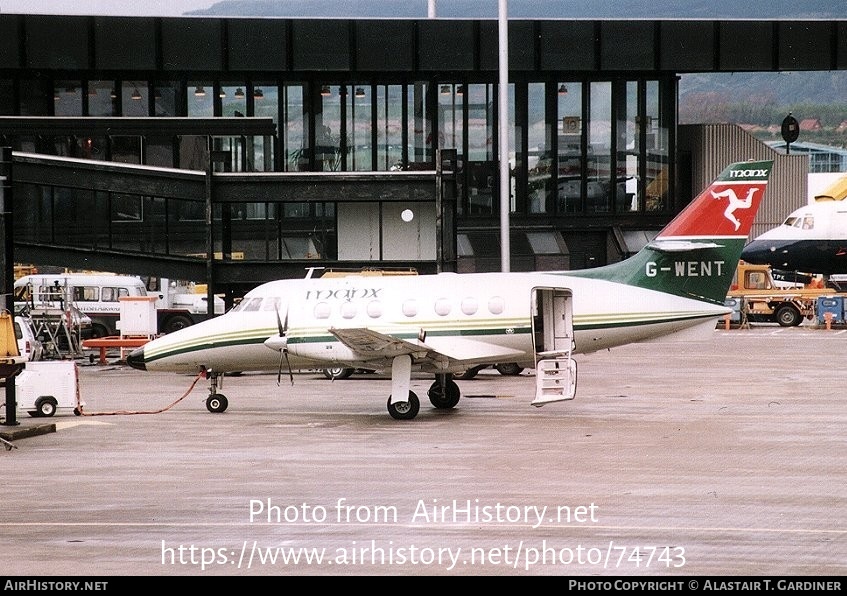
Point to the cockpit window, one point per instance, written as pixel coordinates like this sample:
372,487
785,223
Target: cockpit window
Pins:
248,304
272,303
807,222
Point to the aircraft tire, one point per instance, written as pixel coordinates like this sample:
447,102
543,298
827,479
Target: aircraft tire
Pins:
470,373
405,410
444,396
217,403
337,372
509,370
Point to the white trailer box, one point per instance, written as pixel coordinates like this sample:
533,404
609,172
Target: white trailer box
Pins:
42,388
138,316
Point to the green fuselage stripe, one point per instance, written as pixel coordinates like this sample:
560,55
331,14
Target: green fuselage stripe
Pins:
258,336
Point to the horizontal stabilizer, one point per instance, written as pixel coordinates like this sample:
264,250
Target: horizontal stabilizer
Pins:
681,245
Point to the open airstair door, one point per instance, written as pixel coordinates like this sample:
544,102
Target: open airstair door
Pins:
552,332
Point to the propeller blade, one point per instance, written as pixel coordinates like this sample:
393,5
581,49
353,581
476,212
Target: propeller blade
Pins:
288,364
282,328
283,349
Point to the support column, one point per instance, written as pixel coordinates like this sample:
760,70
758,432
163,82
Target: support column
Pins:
7,296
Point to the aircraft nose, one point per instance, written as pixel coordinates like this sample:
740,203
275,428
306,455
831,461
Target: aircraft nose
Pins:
136,359
755,251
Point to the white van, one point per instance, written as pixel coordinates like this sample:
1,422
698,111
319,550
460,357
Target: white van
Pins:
98,296
29,346
93,294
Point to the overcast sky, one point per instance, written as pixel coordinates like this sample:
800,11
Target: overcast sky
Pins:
141,8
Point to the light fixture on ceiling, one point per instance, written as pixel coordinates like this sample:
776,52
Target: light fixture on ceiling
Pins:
325,91
199,91
460,90
222,93
136,94
445,89
563,90
258,93
239,93
360,93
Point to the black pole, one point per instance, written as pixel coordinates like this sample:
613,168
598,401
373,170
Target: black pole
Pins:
8,298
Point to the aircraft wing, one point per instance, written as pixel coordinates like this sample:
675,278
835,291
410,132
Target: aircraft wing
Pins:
438,350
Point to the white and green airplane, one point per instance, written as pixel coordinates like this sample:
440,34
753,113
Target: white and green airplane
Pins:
447,323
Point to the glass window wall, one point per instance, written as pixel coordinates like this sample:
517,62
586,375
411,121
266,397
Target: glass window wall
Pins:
135,101
102,98
420,154
389,127
200,102
67,98
481,163
167,99
657,124
265,105
295,132
599,158
628,181
569,142
539,145
358,128
328,127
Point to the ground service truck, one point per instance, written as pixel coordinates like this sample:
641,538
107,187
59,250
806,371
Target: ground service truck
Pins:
762,298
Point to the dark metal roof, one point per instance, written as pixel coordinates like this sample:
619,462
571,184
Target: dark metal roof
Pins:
279,46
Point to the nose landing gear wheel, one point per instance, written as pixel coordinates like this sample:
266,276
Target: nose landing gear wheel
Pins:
404,410
216,403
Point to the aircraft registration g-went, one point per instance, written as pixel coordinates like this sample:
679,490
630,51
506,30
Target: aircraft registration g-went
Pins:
446,323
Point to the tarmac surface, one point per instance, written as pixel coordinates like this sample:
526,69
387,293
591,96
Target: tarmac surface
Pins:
724,458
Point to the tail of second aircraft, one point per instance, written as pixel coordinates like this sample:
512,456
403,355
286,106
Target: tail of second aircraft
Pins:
696,254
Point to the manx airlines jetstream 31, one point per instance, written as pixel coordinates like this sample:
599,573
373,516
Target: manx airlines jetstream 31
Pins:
447,323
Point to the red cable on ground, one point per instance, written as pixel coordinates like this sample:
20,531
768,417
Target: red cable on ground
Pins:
127,412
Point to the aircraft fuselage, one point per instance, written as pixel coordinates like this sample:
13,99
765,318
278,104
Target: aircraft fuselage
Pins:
475,318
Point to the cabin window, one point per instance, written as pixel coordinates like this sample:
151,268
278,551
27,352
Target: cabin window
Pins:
374,309
442,307
113,294
410,308
496,305
469,306
322,310
348,310
86,294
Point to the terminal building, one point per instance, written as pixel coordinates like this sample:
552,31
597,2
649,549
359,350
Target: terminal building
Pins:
237,150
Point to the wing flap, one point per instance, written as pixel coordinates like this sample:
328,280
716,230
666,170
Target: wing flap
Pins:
370,344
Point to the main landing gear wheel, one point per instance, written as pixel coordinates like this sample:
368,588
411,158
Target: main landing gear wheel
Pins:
404,410
510,369
444,395
216,403
337,372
